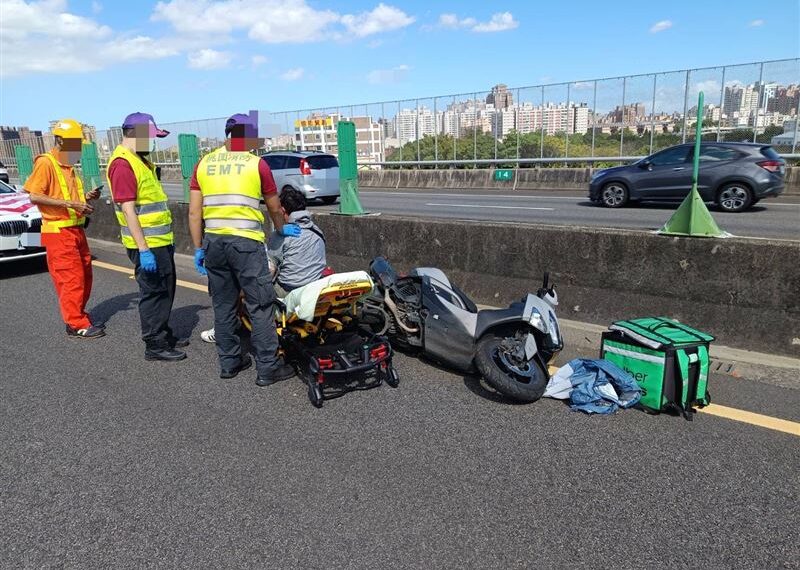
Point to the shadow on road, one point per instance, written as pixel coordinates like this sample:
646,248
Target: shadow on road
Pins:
103,312
479,388
23,267
185,319
666,206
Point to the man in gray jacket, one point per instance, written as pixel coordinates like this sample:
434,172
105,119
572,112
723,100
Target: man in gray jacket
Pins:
297,260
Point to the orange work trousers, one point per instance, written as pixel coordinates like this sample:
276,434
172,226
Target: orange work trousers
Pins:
70,264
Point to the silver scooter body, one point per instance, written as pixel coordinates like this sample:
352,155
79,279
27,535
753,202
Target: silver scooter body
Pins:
453,324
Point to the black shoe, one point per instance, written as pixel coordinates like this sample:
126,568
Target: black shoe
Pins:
243,365
284,372
179,343
91,332
166,354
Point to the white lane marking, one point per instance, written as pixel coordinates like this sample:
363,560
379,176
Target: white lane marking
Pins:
495,207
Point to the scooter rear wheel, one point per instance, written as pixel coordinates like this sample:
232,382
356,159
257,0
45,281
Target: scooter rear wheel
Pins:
523,381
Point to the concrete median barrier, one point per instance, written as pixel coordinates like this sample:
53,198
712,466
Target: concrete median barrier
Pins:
743,291
575,179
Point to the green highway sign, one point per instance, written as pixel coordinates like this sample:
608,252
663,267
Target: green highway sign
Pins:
501,174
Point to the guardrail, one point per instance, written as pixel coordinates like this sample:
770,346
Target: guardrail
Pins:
553,160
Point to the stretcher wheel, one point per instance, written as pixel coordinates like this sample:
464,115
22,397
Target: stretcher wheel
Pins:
392,377
315,394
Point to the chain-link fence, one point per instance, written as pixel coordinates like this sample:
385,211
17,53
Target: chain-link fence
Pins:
594,121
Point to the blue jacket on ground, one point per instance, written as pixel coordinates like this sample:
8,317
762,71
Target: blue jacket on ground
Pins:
594,386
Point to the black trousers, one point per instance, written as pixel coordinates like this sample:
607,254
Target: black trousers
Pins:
237,264
156,295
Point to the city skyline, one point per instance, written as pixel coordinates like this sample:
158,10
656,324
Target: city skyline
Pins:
498,111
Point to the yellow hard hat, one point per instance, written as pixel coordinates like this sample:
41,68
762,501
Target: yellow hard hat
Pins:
68,129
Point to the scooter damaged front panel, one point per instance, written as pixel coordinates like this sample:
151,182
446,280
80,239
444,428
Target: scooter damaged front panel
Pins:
449,330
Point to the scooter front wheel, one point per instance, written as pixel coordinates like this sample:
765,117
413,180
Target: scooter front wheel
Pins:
497,361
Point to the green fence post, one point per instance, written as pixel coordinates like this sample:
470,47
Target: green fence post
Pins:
189,154
24,157
349,204
90,166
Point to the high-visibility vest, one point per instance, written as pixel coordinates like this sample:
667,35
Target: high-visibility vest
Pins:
231,188
151,204
71,218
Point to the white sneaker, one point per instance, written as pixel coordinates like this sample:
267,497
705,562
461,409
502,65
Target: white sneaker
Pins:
208,336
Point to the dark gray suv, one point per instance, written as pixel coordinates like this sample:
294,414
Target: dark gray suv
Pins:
734,176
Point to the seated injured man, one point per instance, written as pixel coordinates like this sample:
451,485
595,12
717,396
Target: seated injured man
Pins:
294,261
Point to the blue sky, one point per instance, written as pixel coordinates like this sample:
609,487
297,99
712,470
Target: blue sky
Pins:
98,60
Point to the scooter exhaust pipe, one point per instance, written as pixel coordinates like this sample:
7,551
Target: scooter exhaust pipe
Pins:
393,308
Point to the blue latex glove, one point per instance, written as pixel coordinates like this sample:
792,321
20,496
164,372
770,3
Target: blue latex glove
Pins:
290,230
148,261
200,260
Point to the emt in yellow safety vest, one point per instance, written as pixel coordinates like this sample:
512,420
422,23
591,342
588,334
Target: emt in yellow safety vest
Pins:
227,188
146,231
58,193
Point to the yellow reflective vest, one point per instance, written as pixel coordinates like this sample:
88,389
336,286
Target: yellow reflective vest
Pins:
231,188
51,225
151,204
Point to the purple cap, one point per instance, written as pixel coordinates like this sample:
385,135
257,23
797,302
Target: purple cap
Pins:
250,123
144,119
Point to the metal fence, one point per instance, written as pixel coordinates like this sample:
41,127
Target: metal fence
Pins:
591,121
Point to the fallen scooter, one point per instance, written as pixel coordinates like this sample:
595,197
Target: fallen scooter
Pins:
511,348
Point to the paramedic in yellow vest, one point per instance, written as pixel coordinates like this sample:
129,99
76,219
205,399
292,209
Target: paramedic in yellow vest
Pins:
57,191
145,223
226,192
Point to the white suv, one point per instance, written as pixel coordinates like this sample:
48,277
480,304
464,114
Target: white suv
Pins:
315,174
20,226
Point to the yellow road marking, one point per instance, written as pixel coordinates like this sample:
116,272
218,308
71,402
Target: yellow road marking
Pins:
129,271
768,422
734,414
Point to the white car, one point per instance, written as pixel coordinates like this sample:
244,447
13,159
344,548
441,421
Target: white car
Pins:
20,226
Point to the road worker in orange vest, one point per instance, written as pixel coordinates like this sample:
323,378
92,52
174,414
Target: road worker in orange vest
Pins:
57,191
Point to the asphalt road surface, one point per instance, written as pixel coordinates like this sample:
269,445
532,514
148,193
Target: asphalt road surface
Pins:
771,218
109,461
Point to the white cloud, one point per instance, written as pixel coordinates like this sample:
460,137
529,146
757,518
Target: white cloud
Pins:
209,59
293,74
267,21
382,18
757,23
499,22
258,60
393,75
43,37
274,21
660,26
452,22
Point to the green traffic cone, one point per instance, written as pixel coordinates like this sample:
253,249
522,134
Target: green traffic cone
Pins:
349,204
692,218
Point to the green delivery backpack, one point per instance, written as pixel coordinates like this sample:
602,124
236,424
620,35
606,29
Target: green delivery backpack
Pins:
667,359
